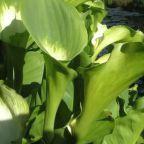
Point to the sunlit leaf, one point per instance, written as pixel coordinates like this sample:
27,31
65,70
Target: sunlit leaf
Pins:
8,12
105,82
117,34
100,130
14,111
56,27
76,2
127,129
139,105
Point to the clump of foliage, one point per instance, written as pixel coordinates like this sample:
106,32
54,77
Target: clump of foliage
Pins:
52,55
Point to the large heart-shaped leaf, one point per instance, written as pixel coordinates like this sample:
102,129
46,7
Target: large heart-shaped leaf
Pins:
56,27
106,81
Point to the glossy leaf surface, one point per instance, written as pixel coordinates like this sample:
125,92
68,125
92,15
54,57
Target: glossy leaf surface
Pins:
56,27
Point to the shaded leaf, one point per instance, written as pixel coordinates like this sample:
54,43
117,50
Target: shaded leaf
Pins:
36,131
14,61
125,97
68,97
58,78
15,34
33,68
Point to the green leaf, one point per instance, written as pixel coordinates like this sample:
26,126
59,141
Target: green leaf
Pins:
97,4
56,27
97,17
127,129
76,2
14,112
68,97
14,38
139,105
65,109
125,99
8,12
140,140
103,59
63,115
105,82
100,129
112,109
15,34
43,90
118,34
36,131
33,68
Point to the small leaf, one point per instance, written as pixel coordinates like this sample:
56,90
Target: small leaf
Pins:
33,68
139,105
112,109
125,100
36,131
127,129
